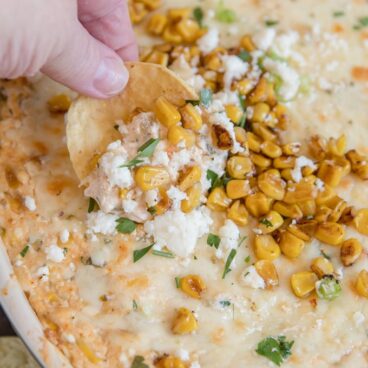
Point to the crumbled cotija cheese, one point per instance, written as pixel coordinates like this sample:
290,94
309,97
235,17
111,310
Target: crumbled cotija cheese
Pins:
229,233
209,41
43,272
54,253
129,205
252,279
151,197
301,162
100,222
176,195
179,231
234,67
64,236
264,38
30,203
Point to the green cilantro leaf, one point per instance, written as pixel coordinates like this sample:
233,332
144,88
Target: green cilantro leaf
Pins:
146,150
225,15
338,13
212,177
266,222
243,120
164,254
135,305
229,260
213,240
177,282
92,204
125,225
193,102
152,210
205,96
271,23
198,15
362,22
325,255
24,251
276,350
244,55
225,303
138,362
242,103
139,253
247,259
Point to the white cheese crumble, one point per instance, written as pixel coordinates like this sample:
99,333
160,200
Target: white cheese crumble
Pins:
55,253
300,163
195,365
209,41
152,197
179,231
129,205
229,233
252,278
100,222
234,67
176,196
359,318
264,38
43,272
64,236
110,163
30,203
183,354
69,338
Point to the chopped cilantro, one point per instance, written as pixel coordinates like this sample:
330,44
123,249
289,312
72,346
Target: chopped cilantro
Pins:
193,102
205,96
139,253
24,251
241,241
195,257
225,15
275,349
212,177
177,282
92,204
161,253
146,150
213,240
152,210
125,225
244,55
65,251
225,303
229,260
247,259
271,23
325,254
362,22
138,362
242,102
135,305
87,261
338,14
243,120
198,15
266,222
328,288
103,298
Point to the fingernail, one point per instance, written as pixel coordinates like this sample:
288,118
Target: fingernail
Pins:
111,76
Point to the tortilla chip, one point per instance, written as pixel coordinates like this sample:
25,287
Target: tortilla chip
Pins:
90,122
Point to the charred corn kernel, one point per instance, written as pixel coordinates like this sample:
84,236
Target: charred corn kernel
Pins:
284,162
326,196
299,192
210,85
259,93
258,204
303,283
218,200
308,208
247,43
265,247
361,221
264,132
260,161
89,354
288,210
359,164
291,246
151,4
193,199
287,174
213,62
282,115
234,113
170,361
243,86
188,177
240,135
291,149
322,214
308,227
338,209
163,205
260,112
267,270
192,285
317,147
271,149
166,113
191,118
158,57
177,134
176,14
59,103
271,184
321,266
347,216
272,221
157,24
238,213
330,233
151,177
308,171
271,120
361,284
330,173
51,325
239,166
350,251
337,147
294,229
123,192
222,137
188,29
254,142
137,12
172,35
237,188
184,322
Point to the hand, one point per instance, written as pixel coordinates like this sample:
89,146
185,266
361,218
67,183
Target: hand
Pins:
80,43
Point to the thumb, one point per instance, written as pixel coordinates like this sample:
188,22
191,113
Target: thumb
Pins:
86,65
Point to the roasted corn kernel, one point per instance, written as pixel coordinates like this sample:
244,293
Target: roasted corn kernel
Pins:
359,164
239,166
350,251
188,177
184,322
267,270
157,57
247,43
291,149
265,247
188,29
193,199
192,285
177,134
156,24
137,12
294,229
326,196
177,14
234,113
163,205
321,266
240,135
151,4
271,149
87,351
336,147
299,192
151,177
222,137
170,361
260,112
258,204
191,118
254,142
172,35
261,161
308,208
272,221
271,184
360,221
330,173
284,162
238,213
361,284
59,103
330,233
218,200
243,86
322,214
303,283
288,210
166,113
291,246
264,132
237,188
